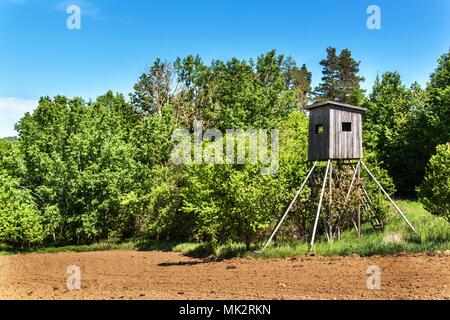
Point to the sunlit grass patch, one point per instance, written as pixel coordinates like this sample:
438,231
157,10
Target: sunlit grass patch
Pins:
433,234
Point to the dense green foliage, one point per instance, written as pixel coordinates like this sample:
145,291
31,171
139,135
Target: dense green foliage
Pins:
20,222
235,202
83,172
435,189
404,125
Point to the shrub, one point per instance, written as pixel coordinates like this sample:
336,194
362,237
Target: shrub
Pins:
230,203
20,223
435,190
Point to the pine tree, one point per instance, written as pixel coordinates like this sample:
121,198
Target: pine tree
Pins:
348,79
340,81
328,89
303,84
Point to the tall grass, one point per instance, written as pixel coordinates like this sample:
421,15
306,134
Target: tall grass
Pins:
433,234
429,228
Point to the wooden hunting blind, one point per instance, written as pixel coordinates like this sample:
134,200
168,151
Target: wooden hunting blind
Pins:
335,135
335,131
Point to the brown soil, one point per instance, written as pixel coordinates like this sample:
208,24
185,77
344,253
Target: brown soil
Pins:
169,275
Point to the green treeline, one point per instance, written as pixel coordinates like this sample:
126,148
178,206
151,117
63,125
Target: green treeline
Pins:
82,172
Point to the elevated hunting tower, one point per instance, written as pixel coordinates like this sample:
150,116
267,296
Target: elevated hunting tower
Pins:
335,131
335,135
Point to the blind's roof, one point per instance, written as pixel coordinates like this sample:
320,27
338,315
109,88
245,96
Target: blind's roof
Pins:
321,104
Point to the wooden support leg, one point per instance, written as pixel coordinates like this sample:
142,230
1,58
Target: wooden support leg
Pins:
330,204
389,198
319,206
338,228
355,225
290,206
348,194
327,219
359,207
325,227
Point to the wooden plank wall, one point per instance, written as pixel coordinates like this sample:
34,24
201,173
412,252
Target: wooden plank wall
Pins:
318,143
345,145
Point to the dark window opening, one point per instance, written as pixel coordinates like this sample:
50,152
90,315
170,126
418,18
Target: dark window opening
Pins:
346,126
319,128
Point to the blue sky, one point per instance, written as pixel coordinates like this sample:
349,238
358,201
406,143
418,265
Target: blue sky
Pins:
118,39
